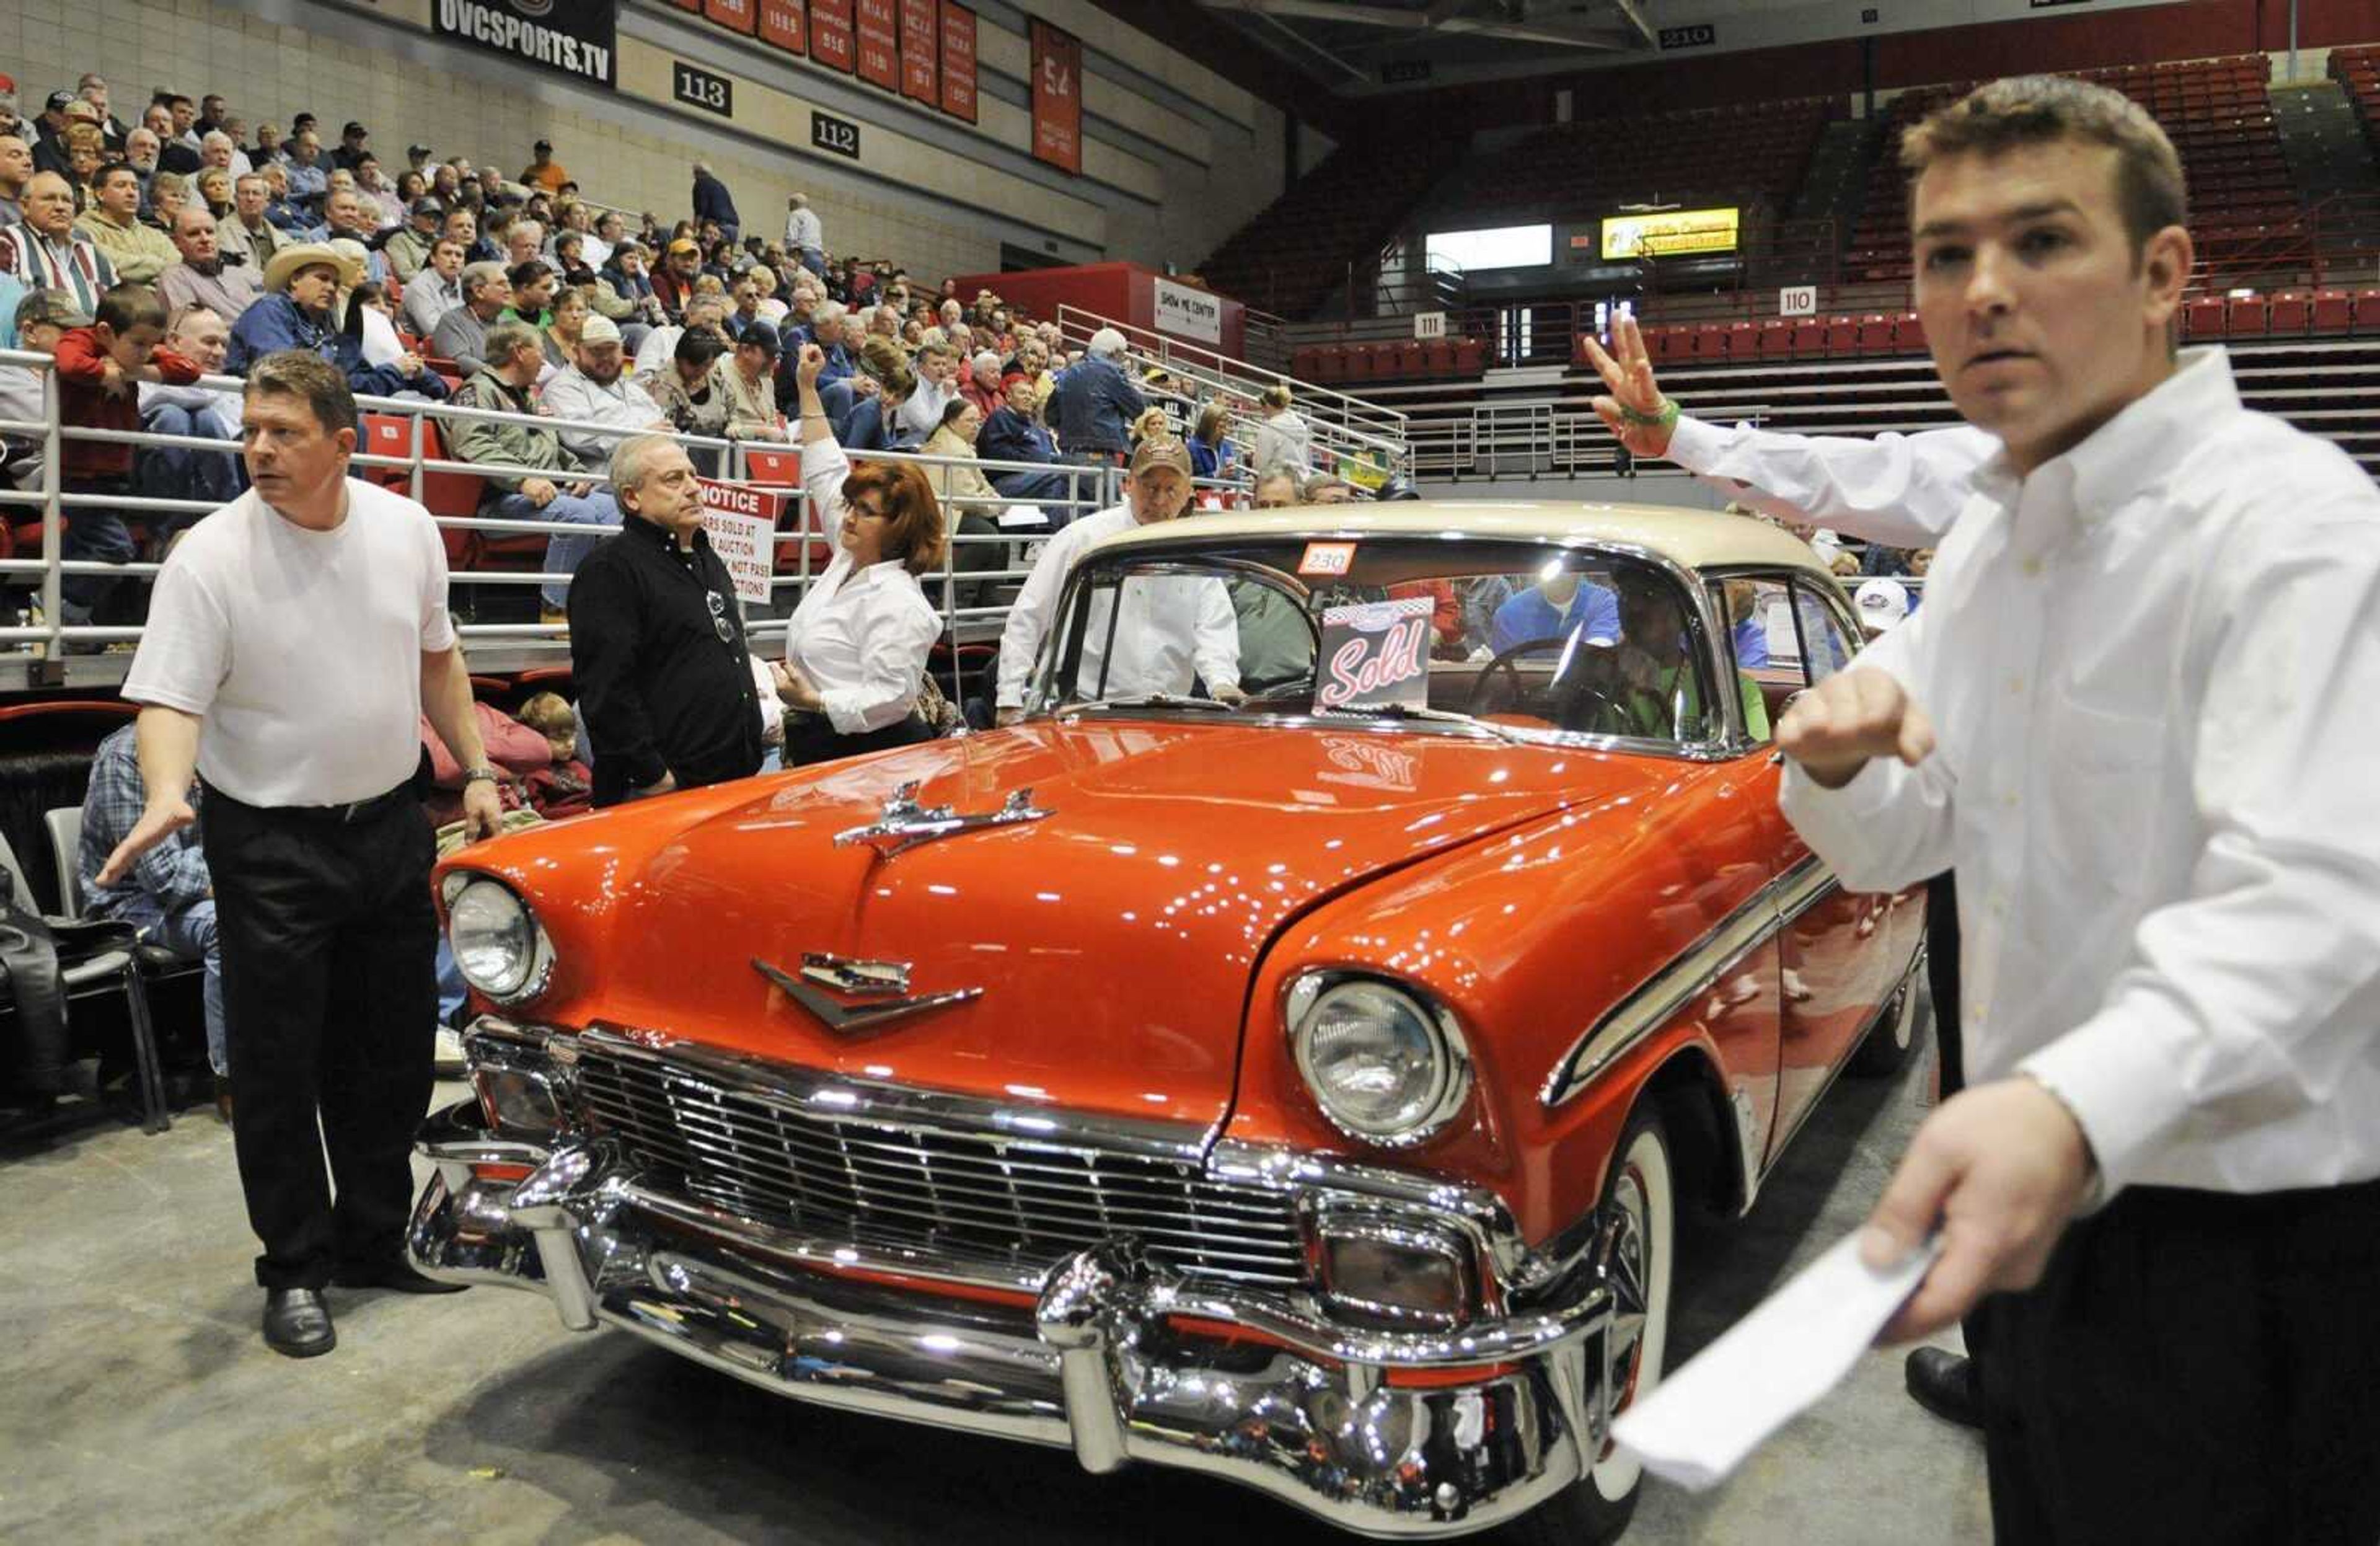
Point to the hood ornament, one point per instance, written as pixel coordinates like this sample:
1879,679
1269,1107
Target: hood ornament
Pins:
905,824
884,982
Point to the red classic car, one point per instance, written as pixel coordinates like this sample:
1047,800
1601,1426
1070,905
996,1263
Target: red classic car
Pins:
1295,1081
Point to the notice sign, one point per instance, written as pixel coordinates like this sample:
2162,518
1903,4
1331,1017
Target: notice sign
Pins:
1057,97
879,42
958,61
579,41
1188,313
743,527
1669,234
832,35
1375,654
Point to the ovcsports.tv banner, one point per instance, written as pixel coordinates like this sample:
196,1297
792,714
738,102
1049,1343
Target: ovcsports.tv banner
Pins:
577,38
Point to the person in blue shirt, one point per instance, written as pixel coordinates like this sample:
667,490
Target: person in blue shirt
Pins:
1556,608
303,282
1013,434
1094,404
1211,453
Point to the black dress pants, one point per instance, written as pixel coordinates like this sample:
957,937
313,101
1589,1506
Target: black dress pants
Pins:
2194,1369
813,738
329,946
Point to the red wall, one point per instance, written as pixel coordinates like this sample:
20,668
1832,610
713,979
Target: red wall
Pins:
2138,35
1125,292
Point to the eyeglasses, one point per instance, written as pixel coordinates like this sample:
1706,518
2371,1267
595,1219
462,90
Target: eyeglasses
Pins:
870,512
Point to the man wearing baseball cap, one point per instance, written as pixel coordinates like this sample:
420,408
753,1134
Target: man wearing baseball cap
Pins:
351,150
681,265
545,172
1180,631
408,247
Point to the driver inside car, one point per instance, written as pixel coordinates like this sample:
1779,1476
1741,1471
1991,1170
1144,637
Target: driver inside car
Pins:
1646,684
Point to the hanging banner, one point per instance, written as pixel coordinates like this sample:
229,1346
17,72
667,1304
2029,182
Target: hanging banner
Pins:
833,42
1057,97
734,14
781,24
921,25
580,40
879,42
958,60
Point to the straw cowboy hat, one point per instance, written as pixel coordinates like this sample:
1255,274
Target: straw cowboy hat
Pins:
286,263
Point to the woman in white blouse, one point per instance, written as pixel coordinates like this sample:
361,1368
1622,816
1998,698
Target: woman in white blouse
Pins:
856,646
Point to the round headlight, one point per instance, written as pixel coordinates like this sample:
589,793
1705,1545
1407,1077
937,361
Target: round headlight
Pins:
498,946
1385,1067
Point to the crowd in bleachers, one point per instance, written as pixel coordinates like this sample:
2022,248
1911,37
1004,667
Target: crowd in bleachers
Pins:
141,256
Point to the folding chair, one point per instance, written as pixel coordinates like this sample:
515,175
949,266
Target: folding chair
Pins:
94,961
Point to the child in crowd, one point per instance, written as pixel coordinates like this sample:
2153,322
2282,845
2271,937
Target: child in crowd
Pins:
564,788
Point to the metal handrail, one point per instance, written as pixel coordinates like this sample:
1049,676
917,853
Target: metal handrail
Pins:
1089,488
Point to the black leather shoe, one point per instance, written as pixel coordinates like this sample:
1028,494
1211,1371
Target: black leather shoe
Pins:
298,1322
1944,1383
393,1274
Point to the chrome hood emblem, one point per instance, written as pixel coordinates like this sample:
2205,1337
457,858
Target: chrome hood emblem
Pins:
884,982
905,824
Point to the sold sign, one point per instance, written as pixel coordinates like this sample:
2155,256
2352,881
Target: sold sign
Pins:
1375,654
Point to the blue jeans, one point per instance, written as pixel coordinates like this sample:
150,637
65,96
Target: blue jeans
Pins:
93,533
452,993
186,472
562,554
189,933
814,259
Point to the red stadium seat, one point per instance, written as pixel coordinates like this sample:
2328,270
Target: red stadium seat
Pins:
1876,334
772,470
1302,363
2292,314
1709,342
2247,317
1809,339
1356,360
1908,334
2202,318
1664,344
1439,357
1776,339
2367,313
1743,341
1412,361
446,493
1470,356
1842,337
2334,312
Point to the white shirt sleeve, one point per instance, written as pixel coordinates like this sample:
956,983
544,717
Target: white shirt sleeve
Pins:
437,624
824,467
1215,646
893,643
2239,1003
1029,619
1902,491
184,650
1891,825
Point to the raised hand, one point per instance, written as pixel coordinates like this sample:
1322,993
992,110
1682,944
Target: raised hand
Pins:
1629,386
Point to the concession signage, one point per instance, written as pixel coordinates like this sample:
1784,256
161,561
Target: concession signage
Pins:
743,523
921,26
736,14
879,42
1375,654
1057,97
958,61
579,39
1668,234
832,43
781,23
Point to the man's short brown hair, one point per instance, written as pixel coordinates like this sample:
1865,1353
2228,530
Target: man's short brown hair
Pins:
2038,109
303,375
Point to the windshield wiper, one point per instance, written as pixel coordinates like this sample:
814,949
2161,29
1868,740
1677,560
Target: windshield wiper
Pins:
1146,700
1427,715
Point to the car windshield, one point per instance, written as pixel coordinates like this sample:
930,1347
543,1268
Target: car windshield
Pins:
1506,637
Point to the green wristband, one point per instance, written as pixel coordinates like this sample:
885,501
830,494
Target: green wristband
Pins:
1666,419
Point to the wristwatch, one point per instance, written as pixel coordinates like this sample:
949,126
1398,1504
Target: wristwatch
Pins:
475,776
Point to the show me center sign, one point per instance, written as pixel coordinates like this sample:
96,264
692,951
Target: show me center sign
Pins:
577,38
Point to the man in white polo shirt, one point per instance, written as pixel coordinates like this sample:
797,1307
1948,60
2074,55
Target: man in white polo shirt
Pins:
296,637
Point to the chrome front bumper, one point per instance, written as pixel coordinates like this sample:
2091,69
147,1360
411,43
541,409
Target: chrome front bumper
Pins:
1387,1434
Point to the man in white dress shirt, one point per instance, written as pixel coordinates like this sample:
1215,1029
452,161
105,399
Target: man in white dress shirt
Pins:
1175,628
2126,714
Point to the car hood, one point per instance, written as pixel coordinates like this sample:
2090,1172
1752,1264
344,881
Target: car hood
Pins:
1110,943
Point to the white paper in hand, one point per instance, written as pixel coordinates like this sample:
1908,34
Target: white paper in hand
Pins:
1797,1344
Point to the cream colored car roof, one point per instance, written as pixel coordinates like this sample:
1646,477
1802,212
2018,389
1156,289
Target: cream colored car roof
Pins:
1697,539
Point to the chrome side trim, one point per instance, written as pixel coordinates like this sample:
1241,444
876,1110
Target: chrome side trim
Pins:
1653,1004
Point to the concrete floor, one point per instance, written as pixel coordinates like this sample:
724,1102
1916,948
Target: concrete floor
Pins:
142,1407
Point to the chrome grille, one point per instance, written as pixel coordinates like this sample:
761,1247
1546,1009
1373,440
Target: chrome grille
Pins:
767,1155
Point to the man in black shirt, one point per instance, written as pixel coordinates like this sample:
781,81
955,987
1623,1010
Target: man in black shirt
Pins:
657,642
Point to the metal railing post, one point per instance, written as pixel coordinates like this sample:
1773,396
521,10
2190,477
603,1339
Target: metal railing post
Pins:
54,524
